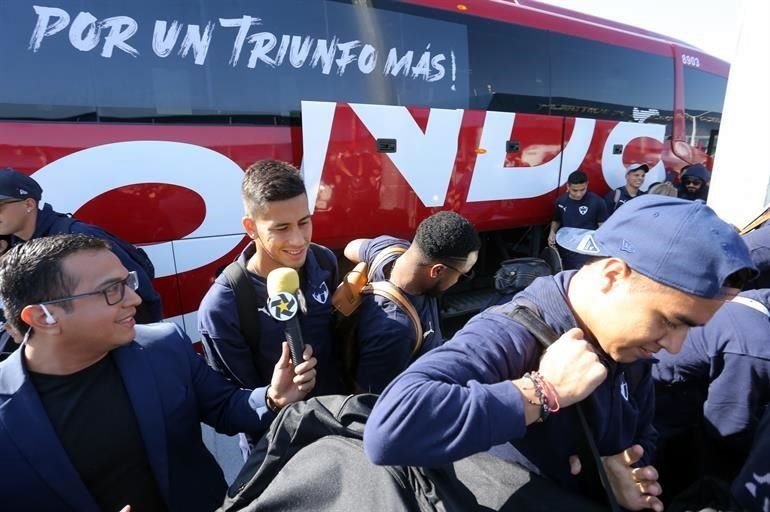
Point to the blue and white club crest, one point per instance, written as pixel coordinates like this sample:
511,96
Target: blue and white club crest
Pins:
321,294
587,245
583,210
283,306
624,388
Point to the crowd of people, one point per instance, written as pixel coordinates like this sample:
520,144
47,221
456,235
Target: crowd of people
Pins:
655,352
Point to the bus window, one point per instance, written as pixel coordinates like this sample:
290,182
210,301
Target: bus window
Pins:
704,97
508,68
602,81
148,60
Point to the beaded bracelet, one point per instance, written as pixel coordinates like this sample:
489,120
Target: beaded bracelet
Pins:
546,394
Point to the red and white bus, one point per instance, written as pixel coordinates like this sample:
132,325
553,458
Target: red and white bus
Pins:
140,116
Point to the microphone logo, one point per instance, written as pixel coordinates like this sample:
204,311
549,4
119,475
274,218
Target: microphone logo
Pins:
283,306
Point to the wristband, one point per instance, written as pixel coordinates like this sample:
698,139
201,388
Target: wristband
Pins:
270,403
546,394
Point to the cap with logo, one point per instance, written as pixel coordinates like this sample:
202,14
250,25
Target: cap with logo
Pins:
637,167
678,243
16,186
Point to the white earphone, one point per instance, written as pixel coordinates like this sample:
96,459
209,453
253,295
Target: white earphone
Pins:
49,319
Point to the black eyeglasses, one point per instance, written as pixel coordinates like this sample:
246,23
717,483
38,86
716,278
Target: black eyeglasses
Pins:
463,275
113,293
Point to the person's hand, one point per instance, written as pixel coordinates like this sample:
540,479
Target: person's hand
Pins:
291,384
552,239
127,508
572,366
634,488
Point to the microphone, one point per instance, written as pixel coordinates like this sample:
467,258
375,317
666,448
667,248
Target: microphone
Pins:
283,302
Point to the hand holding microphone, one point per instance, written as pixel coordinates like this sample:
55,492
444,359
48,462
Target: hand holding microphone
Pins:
283,303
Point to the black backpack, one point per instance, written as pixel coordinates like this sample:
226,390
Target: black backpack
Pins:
66,223
314,460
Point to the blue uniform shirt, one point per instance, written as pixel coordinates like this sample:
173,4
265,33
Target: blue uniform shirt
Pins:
752,486
218,322
587,213
730,358
459,400
385,332
623,198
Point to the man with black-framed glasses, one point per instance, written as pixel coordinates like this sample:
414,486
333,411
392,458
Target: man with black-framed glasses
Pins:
444,250
96,412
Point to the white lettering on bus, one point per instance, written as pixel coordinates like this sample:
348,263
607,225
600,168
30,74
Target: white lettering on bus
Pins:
175,163
244,23
690,60
199,43
43,29
263,43
85,34
492,180
163,39
436,149
122,28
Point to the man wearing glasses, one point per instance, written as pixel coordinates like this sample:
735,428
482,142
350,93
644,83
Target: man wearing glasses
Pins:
444,250
97,413
694,184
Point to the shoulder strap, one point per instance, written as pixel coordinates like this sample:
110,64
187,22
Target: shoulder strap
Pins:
393,294
246,303
534,324
751,303
754,224
382,256
546,336
617,198
326,263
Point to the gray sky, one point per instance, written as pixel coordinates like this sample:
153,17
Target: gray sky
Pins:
708,24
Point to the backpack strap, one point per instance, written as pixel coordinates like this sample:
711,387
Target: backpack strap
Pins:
382,256
751,303
327,263
543,333
246,303
392,293
754,224
616,199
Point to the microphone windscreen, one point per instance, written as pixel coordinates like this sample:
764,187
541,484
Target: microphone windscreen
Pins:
282,279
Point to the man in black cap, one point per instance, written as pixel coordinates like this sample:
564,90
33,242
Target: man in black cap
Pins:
22,219
635,174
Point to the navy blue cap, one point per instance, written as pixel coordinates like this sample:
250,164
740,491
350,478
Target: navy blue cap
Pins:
698,171
16,185
679,243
